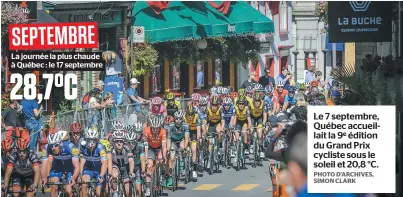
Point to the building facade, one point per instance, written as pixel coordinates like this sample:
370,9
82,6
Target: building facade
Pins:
275,47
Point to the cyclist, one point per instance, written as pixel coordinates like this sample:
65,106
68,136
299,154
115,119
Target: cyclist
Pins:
194,121
280,95
268,100
134,137
64,162
171,104
7,146
214,120
178,136
122,159
157,107
289,100
155,138
25,169
75,133
195,100
258,118
227,116
242,120
202,113
93,161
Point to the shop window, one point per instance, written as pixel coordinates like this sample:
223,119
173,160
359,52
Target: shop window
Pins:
284,61
283,17
199,74
218,71
339,58
270,65
156,79
176,77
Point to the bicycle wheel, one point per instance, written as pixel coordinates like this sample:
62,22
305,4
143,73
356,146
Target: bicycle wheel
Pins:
255,151
238,155
154,183
225,149
187,168
217,157
160,179
174,175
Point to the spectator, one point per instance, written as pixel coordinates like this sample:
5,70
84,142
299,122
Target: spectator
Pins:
200,76
297,160
250,82
96,104
134,97
218,75
267,79
33,122
12,120
285,77
310,74
318,78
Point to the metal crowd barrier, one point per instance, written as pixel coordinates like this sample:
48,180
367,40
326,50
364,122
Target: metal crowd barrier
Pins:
105,116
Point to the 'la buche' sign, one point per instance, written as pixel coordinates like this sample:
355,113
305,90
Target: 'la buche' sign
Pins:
360,21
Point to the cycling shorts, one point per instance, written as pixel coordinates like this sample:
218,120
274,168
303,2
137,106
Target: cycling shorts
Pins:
59,175
153,152
123,171
257,121
22,182
240,124
94,176
137,171
193,135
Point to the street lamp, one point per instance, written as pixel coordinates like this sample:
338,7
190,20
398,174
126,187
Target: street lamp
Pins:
202,44
296,52
324,50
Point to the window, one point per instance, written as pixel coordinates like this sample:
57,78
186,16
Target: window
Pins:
156,79
283,17
218,71
176,77
199,72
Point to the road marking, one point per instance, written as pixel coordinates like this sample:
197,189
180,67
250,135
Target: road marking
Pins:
205,187
270,189
245,187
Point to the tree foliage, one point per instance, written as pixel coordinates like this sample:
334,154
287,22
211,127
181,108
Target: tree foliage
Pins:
145,58
10,15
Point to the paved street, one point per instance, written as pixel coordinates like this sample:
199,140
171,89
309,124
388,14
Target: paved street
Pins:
251,182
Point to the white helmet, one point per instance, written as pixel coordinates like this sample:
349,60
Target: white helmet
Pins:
92,133
156,121
131,136
227,101
118,125
203,100
63,134
54,138
138,127
179,114
280,83
258,86
118,134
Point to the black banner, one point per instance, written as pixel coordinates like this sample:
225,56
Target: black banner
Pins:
55,61
360,21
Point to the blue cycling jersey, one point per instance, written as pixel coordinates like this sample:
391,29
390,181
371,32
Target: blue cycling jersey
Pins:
94,157
64,160
227,115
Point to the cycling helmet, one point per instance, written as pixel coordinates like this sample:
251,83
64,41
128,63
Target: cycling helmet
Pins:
233,95
302,86
170,96
190,109
131,136
54,138
156,101
118,134
256,96
307,84
225,90
227,101
203,100
241,92
219,90
213,90
7,144
214,100
196,96
22,144
76,127
179,114
258,87
138,127
118,125
292,90
241,100
249,89
156,121
280,84
63,134
92,133
269,89
130,128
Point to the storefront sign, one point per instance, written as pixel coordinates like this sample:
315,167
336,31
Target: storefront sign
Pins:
110,17
360,21
231,28
27,7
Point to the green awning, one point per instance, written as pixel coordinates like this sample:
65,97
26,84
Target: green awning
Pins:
243,14
161,28
209,24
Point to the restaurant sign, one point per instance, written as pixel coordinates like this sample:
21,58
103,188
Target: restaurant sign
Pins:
27,7
110,17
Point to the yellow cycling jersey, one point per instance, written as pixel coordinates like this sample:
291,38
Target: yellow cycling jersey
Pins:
107,145
248,99
214,117
256,112
192,121
241,115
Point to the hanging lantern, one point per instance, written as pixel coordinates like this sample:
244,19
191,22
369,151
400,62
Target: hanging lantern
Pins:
202,44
